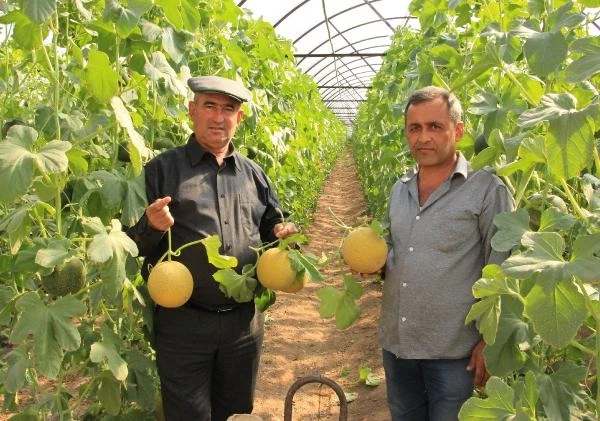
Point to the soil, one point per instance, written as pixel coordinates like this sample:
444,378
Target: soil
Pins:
300,344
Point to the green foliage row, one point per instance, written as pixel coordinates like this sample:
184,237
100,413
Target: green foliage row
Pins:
89,91
528,76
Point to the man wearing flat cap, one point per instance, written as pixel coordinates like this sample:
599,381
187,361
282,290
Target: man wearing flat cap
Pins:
208,350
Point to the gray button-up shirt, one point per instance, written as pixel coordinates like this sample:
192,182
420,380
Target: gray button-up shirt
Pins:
234,201
437,252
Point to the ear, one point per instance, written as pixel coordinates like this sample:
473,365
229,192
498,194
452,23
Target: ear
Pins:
459,130
191,108
240,116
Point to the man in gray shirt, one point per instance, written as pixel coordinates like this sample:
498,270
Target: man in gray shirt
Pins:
441,223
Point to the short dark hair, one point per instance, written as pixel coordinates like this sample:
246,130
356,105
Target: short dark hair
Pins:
429,93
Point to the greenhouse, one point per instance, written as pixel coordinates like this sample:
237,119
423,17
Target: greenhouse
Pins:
322,141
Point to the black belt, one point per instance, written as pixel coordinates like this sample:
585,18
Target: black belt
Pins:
211,309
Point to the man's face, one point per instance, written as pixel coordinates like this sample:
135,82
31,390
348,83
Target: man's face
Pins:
215,117
431,135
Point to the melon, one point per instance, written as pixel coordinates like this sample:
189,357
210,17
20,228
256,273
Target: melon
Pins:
274,270
170,284
67,278
364,250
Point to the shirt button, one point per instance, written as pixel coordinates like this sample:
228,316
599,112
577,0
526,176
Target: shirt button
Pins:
404,284
222,196
410,249
225,222
417,217
403,319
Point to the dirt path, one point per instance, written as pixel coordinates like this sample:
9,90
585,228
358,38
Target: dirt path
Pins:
298,343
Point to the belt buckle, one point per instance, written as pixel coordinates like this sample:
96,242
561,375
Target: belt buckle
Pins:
225,309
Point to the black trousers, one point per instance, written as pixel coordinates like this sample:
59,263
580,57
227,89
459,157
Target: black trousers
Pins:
207,361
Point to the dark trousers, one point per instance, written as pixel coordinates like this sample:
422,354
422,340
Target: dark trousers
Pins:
207,361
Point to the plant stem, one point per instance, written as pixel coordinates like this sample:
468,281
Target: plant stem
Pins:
574,203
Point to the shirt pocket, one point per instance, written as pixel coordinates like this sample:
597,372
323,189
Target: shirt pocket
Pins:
454,230
251,211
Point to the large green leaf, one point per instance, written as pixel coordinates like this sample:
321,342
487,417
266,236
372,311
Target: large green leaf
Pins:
558,391
240,287
109,393
27,34
134,200
39,10
498,404
544,256
487,309
109,249
507,353
511,227
125,18
101,78
545,51
16,162
340,304
158,68
18,361
588,64
106,350
181,14
139,152
556,313
52,329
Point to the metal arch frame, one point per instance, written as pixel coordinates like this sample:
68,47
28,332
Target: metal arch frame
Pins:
323,57
348,72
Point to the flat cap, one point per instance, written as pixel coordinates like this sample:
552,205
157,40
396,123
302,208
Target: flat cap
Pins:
220,85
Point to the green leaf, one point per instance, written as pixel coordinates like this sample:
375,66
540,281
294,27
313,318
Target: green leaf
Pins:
27,34
233,285
486,311
100,77
52,329
55,252
305,261
109,250
158,68
506,354
181,14
545,51
497,406
558,391
18,362
543,255
134,200
174,44
39,10
125,19
52,157
106,350
588,64
511,227
109,393
215,258
340,304
140,151
553,219
556,314
16,162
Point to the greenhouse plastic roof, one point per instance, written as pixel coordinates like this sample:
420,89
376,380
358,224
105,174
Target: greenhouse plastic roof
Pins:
340,43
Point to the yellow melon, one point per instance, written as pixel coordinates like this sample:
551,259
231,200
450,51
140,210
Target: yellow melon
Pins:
364,250
274,271
170,284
